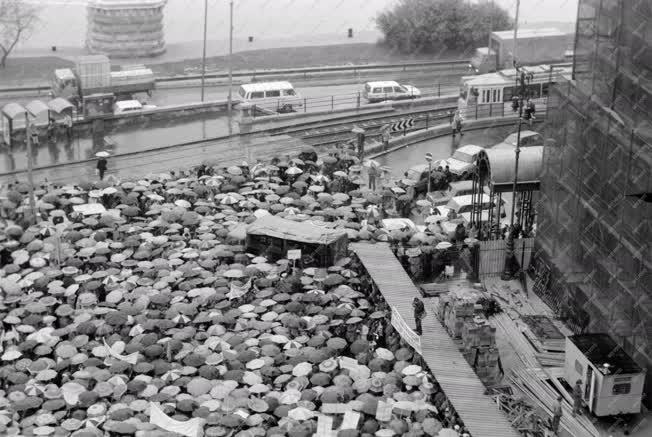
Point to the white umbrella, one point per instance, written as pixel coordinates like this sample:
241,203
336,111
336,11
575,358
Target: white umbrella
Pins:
371,163
229,199
293,171
103,154
233,170
182,203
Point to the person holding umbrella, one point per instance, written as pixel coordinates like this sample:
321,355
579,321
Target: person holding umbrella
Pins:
101,164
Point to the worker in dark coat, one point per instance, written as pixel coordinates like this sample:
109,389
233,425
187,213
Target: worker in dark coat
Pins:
101,167
419,313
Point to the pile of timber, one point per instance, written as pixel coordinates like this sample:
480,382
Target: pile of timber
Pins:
521,415
531,379
544,334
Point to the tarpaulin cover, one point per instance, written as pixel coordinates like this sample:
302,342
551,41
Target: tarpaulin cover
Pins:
304,232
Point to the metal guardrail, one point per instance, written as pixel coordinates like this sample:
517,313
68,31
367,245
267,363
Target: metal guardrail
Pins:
306,70
337,101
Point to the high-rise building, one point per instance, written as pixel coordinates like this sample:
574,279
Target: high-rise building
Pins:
595,217
125,28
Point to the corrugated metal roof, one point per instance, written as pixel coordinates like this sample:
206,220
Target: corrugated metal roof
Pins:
465,391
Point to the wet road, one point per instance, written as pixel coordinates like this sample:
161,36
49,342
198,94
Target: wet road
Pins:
228,151
441,148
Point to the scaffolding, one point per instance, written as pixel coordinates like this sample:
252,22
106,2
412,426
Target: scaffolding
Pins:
594,219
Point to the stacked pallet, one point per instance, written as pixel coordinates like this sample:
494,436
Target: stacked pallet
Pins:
479,349
457,308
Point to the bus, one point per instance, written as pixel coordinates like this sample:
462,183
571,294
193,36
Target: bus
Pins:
493,92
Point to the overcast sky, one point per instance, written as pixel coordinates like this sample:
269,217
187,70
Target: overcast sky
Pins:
64,21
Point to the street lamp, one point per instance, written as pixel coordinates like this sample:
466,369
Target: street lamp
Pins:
429,159
230,58
203,57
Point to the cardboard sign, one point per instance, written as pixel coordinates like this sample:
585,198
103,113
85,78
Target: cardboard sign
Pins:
348,363
405,331
324,426
384,411
294,254
351,419
90,208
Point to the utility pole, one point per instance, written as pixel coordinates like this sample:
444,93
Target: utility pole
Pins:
203,57
491,27
29,130
514,51
508,271
230,57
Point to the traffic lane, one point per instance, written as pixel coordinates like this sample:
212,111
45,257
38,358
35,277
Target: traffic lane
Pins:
441,148
341,92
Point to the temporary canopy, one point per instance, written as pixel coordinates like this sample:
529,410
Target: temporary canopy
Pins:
273,237
59,105
36,107
13,110
500,163
304,232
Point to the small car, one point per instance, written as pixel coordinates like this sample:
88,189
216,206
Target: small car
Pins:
462,163
389,90
528,139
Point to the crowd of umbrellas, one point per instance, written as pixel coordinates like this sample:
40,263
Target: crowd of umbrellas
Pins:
134,308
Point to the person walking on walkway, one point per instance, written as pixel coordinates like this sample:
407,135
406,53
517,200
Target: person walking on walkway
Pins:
101,167
419,313
372,173
457,124
556,415
577,397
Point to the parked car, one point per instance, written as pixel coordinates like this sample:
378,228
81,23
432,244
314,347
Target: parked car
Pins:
462,163
528,139
389,90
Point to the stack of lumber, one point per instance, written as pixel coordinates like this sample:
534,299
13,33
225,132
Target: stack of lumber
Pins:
545,334
531,379
520,414
550,359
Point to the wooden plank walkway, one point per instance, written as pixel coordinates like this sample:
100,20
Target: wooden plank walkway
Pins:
463,388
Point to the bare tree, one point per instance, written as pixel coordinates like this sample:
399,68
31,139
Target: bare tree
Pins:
17,19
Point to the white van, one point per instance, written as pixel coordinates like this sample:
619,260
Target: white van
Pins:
277,96
389,90
130,106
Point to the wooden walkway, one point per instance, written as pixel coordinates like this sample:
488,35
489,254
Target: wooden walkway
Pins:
463,388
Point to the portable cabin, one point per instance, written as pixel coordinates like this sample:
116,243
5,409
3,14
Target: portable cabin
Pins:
612,382
273,236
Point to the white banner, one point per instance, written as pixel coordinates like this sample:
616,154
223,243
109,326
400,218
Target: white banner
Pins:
405,331
189,428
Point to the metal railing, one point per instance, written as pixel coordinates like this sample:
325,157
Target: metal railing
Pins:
341,101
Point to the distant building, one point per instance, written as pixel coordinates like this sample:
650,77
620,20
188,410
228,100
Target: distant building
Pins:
125,28
594,235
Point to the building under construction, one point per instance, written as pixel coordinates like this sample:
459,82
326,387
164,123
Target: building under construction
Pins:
593,261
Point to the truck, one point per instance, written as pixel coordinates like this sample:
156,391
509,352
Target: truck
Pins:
94,88
534,46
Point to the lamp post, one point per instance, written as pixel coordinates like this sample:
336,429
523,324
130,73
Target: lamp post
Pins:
429,159
522,80
230,57
203,58
30,129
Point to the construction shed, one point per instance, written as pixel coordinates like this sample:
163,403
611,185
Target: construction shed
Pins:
272,237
